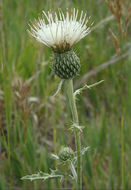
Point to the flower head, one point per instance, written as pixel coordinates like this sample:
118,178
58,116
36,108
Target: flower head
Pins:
61,31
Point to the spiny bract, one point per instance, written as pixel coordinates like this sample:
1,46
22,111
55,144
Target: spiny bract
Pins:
66,154
66,65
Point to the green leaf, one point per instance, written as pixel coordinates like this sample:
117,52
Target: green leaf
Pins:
78,91
75,126
44,176
59,88
84,150
54,156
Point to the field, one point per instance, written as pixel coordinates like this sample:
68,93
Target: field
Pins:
34,124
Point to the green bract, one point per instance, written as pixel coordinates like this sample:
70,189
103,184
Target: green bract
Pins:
66,65
66,154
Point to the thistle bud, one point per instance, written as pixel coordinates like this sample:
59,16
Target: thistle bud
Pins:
66,154
66,65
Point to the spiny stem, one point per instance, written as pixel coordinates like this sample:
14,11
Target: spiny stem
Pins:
72,103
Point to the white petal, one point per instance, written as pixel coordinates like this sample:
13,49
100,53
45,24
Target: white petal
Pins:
61,30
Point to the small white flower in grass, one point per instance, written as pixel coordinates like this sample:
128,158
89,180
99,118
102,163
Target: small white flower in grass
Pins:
61,31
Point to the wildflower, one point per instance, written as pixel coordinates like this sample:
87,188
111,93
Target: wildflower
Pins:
61,32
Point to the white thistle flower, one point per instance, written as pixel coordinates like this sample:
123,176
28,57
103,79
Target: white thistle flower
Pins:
61,31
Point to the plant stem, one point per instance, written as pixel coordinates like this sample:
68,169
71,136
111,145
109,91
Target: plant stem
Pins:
72,103
122,156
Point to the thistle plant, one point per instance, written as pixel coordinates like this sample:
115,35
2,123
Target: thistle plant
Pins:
60,32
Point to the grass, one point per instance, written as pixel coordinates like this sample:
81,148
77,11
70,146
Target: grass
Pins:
32,129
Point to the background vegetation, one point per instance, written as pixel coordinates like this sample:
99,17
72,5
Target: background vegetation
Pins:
33,124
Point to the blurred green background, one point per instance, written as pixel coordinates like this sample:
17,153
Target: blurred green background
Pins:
33,124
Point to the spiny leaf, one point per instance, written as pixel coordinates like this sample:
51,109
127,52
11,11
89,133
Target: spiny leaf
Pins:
78,91
73,170
54,156
84,150
44,176
59,87
76,127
